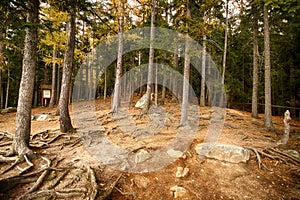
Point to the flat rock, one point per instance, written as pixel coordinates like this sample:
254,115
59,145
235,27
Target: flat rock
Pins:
223,152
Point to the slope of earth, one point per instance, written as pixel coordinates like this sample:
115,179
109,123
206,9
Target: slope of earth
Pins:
65,167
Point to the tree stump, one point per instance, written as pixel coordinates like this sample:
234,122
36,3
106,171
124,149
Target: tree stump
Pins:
286,121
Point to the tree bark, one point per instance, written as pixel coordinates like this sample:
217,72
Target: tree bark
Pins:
1,91
225,44
86,89
255,66
163,93
141,78
151,60
105,86
53,86
63,107
2,36
7,88
175,86
58,84
91,83
156,84
203,79
117,90
292,87
268,105
186,74
23,125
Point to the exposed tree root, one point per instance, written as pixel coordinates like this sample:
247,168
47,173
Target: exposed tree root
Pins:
111,188
273,154
257,153
11,166
66,193
6,144
11,182
23,170
4,159
39,181
94,184
126,193
56,182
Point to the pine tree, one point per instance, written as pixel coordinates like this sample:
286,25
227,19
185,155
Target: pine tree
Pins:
23,128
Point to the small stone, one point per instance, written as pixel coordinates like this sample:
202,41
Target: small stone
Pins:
256,123
205,117
174,154
102,128
142,156
141,182
179,192
182,172
236,173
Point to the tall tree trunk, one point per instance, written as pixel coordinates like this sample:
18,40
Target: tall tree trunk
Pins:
23,125
141,78
225,43
203,72
175,86
255,66
58,84
208,92
186,74
124,85
53,86
92,90
105,86
151,60
117,90
2,36
268,96
35,100
292,88
86,89
163,93
7,88
1,91
63,106
156,84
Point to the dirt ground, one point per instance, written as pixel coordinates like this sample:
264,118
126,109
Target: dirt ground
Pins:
68,170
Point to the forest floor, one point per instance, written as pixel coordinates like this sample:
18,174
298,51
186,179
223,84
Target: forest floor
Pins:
64,168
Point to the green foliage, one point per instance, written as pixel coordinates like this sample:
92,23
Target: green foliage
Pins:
98,20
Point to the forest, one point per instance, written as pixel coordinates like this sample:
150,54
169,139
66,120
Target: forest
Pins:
221,56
